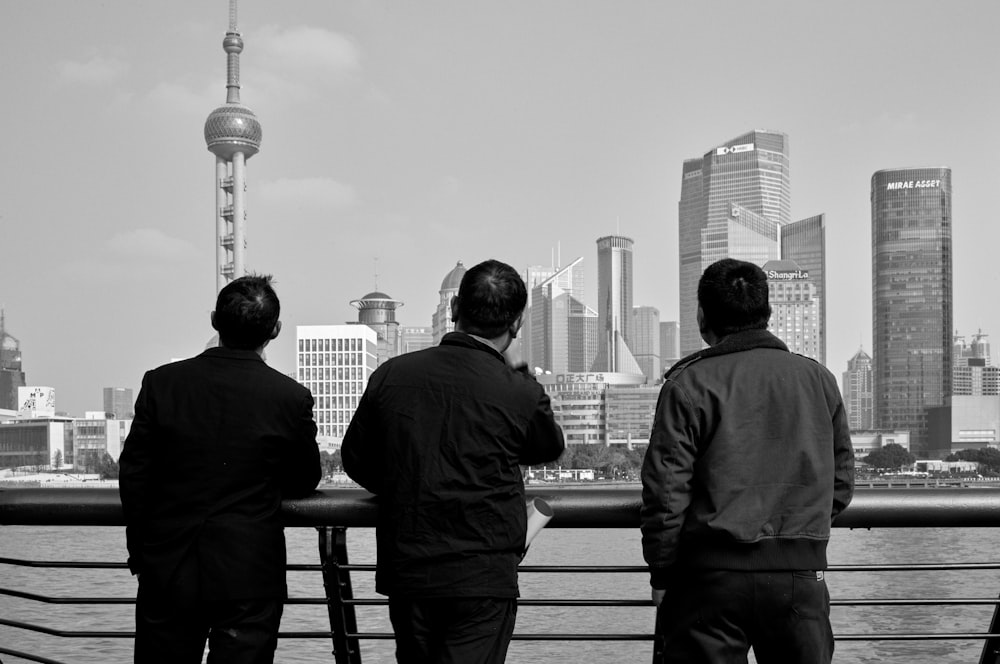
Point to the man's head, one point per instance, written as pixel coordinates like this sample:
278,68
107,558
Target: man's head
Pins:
246,313
732,296
490,301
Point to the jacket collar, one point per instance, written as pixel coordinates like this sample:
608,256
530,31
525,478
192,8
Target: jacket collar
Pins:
736,342
468,341
231,354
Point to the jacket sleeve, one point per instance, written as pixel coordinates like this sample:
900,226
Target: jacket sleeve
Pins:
545,438
301,470
843,459
667,473
135,468
363,450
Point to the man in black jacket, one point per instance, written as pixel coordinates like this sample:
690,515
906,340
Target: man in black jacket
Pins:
440,436
217,441
749,460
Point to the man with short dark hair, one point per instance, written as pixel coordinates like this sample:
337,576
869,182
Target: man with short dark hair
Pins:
748,462
440,436
217,441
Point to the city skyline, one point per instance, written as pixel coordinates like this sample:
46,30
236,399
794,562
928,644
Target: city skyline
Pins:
423,138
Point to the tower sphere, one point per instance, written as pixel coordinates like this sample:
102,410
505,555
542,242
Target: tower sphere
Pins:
232,128
233,43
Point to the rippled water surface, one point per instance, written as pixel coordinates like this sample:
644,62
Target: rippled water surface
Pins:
554,546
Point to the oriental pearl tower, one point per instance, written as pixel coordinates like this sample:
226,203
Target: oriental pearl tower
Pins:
232,133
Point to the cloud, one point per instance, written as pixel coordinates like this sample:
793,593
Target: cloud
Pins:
182,99
96,71
308,192
308,48
150,244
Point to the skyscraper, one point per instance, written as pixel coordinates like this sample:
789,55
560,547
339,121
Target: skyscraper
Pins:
804,242
378,311
614,305
733,200
118,402
441,323
795,307
670,347
911,298
858,395
556,334
11,375
232,134
646,341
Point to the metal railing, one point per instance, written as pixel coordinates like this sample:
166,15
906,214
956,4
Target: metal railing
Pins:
334,511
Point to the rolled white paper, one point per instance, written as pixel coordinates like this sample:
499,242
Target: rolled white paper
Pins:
539,514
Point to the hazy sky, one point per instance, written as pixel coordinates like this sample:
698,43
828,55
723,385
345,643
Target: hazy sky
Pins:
423,133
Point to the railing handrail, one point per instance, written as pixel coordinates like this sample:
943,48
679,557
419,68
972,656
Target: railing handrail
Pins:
575,506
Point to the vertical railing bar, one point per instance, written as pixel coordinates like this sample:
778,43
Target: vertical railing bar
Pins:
991,648
337,584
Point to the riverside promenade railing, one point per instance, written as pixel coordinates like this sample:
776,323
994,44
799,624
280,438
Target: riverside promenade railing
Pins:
334,511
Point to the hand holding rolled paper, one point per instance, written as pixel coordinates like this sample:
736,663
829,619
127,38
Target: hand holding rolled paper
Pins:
539,514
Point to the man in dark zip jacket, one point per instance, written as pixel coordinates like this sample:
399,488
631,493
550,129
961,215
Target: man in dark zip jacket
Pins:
440,436
748,462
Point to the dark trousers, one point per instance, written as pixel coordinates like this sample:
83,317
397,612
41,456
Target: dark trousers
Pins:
716,616
452,630
172,626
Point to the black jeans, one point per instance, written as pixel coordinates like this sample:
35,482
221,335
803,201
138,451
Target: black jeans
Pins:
473,630
716,616
172,625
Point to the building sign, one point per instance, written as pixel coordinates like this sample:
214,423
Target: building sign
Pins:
787,275
595,378
733,149
913,184
36,401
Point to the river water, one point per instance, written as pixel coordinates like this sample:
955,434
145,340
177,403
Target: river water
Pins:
553,546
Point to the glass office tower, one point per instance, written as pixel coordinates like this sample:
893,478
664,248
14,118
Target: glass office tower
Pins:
733,200
911,298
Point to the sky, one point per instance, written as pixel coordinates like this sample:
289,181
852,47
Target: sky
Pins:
402,137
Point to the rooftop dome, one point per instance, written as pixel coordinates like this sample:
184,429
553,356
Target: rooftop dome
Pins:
453,279
376,295
232,128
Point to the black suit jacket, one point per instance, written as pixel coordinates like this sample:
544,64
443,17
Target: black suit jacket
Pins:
216,442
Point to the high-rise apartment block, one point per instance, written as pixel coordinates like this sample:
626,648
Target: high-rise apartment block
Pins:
646,341
441,323
911,298
733,200
614,306
118,402
335,362
804,242
795,307
11,374
859,398
977,348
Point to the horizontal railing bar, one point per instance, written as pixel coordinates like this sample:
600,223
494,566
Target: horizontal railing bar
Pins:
28,656
81,564
574,506
66,599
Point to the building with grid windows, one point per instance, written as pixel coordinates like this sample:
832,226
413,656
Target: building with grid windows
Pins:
119,403
646,341
415,338
579,402
795,307
859,399
670,346
334,362
561,328
911,299
804,242
11,374
733,200
629,413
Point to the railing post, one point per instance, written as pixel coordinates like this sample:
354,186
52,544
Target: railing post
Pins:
991,649
337,584
658,638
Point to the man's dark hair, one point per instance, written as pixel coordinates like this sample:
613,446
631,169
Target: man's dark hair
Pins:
246,312
733,297
490,298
